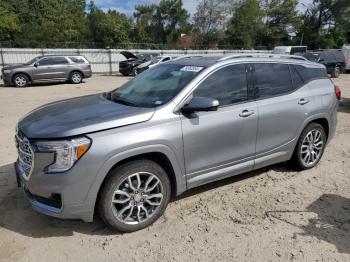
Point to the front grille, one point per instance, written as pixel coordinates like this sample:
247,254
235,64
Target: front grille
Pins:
25,155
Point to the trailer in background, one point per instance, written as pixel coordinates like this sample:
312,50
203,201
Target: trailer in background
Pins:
346,51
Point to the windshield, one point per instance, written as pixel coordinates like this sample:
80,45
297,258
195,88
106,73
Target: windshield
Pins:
155,86
32,61
311,56
156,59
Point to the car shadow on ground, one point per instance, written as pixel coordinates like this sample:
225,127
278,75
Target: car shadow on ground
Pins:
329,221
16,214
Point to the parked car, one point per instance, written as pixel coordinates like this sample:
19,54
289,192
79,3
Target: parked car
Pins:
176,126
333,60
128,66
290,50
47,69
153,62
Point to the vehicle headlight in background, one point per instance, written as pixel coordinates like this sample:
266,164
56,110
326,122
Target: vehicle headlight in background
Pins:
67,152
7,71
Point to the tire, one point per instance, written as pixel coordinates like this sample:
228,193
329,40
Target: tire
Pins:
20,80
314,149
135,206
125,74
75,77
335,72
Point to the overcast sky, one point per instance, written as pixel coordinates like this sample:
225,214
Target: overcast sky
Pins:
127,6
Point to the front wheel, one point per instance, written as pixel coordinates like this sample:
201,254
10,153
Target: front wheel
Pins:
310,146
75,78
20,80
134,196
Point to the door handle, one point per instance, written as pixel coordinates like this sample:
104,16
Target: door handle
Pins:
246,113
303,101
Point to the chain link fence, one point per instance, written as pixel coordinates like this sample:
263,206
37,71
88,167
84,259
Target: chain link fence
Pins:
104,61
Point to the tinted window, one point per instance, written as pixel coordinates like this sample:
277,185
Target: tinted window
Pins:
310,73
296,78
77,60
228,85
339,56
272,79
53,61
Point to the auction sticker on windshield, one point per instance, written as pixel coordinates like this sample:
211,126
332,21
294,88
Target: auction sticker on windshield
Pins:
191,68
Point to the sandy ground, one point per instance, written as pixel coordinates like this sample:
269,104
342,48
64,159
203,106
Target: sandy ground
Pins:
273,214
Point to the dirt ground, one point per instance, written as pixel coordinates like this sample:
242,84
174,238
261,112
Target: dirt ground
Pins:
273,214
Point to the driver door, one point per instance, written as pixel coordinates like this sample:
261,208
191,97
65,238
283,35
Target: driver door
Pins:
221,143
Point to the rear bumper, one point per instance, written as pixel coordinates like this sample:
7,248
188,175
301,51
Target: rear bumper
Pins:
87,73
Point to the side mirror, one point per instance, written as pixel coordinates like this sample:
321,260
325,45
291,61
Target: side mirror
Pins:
198,104
36,64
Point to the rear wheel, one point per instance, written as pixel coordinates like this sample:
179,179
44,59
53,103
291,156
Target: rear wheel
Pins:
75,77
20,80
125,74
135,195
310,146
336,72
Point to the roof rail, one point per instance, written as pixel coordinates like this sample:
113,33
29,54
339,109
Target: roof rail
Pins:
187,57
260,55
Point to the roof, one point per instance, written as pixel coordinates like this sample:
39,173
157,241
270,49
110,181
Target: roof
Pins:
207,61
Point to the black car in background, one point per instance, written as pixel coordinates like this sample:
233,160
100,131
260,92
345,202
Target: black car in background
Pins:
128,66
334,60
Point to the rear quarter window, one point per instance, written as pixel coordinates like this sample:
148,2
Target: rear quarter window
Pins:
77,60
310,73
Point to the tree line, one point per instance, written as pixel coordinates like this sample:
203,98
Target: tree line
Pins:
226,24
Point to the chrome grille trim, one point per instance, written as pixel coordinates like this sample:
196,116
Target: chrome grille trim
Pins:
25,156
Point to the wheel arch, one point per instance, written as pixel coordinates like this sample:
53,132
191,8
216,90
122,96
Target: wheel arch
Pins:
160,154
18,73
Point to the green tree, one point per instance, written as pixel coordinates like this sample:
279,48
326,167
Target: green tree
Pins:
108,29
245,25
162,23
209,21
9,24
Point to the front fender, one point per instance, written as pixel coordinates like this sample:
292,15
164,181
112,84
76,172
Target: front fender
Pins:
112,161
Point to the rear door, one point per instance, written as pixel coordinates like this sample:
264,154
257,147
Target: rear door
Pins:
224,138
51,68
283,103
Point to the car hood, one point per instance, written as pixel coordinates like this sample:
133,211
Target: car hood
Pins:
128,55
15,66
80,115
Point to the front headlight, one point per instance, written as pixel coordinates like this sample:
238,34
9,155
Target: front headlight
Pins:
66,152
7,71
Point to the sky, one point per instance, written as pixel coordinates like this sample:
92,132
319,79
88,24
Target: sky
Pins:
127,6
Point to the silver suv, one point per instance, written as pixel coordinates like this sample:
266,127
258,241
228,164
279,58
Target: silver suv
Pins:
176,126
47,69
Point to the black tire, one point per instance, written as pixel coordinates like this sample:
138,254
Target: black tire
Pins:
20,80
125,74
297,159
336,72
116,180
75,77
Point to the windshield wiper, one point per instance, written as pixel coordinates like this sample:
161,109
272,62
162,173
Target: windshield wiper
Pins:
123,101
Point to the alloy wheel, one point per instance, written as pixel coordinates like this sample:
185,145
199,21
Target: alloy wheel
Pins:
137,198
312,147
20,81
76,78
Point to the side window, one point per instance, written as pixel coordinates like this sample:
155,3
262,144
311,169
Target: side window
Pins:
310,73
272,79
53,61
228,85
77,60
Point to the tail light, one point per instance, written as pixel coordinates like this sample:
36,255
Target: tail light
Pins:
337,92
88,66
